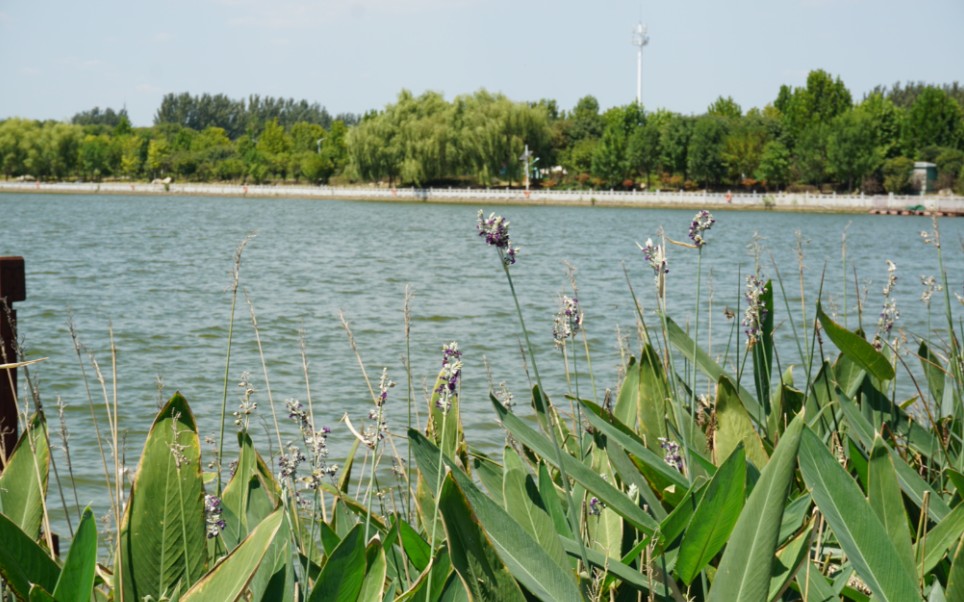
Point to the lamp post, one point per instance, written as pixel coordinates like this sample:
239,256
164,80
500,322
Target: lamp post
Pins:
524,157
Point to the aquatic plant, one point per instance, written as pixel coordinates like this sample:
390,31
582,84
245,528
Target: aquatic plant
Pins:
821,480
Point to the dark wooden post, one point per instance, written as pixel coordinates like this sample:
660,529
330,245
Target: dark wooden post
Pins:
12,289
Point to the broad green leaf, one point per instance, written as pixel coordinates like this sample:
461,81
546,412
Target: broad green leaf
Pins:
630,575
682,341
445,427
744,571
77,576
606,527
163,544
440,569
373,587
250,495
786,403
23,561
228,580
342,576
848,375
762,352
734,427
814,586
675,523
883,493
661,475
454,590
643,397
955,580
794,516
911,483
860,533
613,498
714,518
522,554
39,594
550,497
23,483
789,559
489,473
856,348
416,549
630,475
939,539
942,397
473,555
275,577
524,504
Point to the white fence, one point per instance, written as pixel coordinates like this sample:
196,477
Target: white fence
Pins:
951,205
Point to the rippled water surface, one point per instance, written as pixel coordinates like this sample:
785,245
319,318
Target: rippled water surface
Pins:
157,271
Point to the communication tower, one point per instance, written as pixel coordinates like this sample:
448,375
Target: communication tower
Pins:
640,39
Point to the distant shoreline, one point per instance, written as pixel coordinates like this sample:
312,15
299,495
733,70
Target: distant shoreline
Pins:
792,202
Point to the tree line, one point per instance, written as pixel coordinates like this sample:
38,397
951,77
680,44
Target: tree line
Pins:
814,137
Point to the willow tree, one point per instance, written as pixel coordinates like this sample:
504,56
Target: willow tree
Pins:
493,134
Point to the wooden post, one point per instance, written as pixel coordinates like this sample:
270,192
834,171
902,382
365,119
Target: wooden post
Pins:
12,289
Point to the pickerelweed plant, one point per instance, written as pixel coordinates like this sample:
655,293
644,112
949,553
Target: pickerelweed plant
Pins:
703,477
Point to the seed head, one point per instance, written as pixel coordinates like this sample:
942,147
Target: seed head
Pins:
702,221
495,231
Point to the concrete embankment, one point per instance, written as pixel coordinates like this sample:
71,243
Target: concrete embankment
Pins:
832,203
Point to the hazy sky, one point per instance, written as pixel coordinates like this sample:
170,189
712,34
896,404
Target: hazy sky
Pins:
59,57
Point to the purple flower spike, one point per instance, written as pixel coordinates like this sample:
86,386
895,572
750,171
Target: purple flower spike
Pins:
702,222
495,231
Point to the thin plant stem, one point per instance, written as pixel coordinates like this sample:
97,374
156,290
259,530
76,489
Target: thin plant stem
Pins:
264,367
438,493
410,385
227,361
573,520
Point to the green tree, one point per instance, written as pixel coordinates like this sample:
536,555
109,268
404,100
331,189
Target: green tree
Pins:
820,101
96,157
159,155
775,162
810,154
373,152
14,137
493,132
743,146
643,149
726,108
885,120
133,151
675,136
897,172
610,160
949,163
851,149
935,119
274,145
705,155
586,121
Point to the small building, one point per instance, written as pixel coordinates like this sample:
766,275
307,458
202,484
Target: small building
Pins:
923,177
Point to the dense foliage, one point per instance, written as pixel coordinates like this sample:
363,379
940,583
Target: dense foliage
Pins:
736,477
815,137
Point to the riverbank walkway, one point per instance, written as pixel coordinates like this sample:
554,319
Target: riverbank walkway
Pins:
890,204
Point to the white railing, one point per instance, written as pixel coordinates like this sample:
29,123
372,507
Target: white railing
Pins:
700,199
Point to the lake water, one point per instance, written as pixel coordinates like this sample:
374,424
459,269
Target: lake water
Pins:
158,271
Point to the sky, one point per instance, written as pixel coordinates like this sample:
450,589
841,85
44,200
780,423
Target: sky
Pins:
61,57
